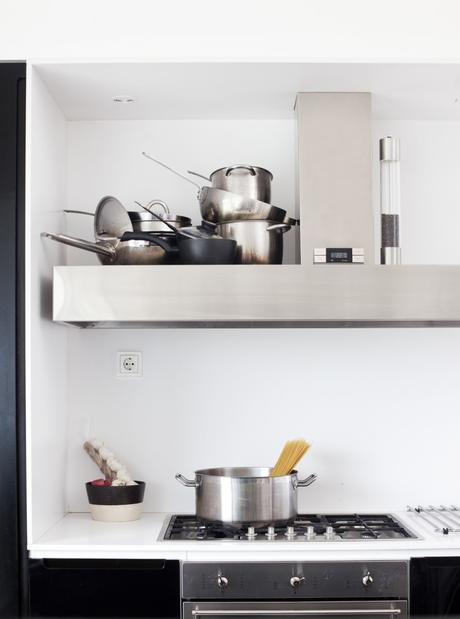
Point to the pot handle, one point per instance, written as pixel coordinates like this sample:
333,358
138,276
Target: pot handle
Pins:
280,227
189,483
103,249
303,483
171,170
156,202
148,236
199,175
249,168
69,210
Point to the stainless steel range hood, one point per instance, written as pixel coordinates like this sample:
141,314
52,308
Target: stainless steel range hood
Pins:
257,296
335,207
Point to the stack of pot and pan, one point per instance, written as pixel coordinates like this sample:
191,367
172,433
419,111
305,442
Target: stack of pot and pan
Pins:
238,204
132,238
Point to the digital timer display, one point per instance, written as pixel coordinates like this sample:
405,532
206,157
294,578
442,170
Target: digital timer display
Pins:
339,254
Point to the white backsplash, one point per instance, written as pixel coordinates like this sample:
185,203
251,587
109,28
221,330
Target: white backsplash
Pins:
380,408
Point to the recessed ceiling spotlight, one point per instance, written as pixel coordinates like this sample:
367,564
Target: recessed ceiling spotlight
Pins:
123,100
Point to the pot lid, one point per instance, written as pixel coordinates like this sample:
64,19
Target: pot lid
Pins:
241,168
111,219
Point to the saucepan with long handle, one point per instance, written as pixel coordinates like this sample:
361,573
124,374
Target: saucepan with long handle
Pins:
111,223
132,248
218,205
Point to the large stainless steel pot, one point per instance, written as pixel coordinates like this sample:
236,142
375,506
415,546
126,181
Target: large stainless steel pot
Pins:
245,495
258,242
247,180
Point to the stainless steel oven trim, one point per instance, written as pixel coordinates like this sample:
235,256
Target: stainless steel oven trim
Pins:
387,608
351,611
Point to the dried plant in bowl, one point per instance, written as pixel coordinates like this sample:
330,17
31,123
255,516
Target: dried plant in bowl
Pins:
116,497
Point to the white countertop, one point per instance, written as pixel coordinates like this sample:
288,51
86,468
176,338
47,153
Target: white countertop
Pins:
78,536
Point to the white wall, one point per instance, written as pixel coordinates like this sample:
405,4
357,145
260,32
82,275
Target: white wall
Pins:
379,406
46,344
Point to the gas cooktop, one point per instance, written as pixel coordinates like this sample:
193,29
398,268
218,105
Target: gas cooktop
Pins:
305,528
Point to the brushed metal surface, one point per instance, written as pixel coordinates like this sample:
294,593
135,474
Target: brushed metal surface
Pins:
244,495
334,171
258,242
257,295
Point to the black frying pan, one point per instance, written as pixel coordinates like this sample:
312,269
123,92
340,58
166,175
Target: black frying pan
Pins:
190,250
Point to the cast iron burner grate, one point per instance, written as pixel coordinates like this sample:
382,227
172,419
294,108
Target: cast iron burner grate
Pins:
306,527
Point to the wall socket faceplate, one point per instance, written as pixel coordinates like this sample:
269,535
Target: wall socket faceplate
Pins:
129,364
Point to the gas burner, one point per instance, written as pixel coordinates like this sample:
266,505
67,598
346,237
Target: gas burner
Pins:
304,528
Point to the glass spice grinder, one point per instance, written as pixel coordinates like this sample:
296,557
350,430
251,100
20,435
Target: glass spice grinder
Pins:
390,200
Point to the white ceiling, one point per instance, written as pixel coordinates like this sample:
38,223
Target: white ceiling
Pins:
246,90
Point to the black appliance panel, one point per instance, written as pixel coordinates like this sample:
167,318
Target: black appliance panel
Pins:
104,588
12,444
315,580
435,586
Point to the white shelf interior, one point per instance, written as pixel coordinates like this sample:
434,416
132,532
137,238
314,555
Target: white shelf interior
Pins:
195,405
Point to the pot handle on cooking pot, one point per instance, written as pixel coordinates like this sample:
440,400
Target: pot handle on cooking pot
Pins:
199,175
155,240
249,168
303,483
103,249
280,227
189,483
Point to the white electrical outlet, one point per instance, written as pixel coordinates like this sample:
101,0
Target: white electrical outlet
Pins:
129,364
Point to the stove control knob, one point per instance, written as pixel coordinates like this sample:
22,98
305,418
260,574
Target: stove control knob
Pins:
271,534
329,535
290,533
296,581
222,582
368,579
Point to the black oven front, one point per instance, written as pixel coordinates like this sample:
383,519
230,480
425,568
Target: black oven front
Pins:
295,589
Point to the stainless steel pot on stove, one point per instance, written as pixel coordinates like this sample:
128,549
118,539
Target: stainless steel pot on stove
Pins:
258,242
245,495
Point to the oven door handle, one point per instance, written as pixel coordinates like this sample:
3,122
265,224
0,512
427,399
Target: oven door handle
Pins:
296,613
